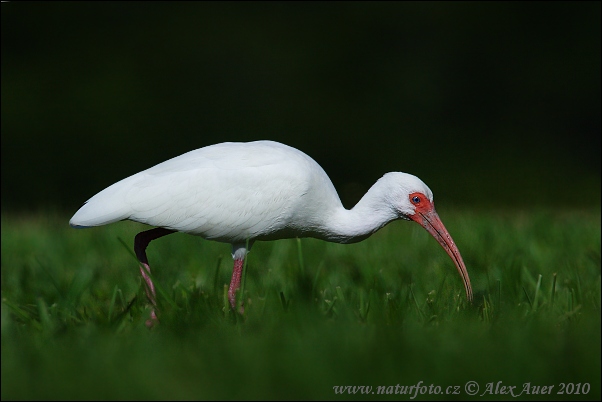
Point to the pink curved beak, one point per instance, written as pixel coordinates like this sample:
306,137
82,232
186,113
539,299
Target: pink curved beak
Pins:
429,219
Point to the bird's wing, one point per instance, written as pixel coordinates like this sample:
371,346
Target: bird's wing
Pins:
227,192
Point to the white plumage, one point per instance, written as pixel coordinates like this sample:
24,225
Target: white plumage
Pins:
227,192
262,190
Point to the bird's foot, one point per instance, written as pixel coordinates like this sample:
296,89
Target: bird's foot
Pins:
240,310
152,321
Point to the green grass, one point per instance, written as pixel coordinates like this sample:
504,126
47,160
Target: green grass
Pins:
390,310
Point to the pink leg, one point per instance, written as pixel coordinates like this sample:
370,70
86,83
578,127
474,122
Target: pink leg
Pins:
235,285
140,243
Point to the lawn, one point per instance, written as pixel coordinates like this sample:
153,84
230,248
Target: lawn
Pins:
388,313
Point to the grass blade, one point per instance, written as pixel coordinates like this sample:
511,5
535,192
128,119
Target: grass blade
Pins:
300,256
528,298
216,275
45,319
553,289
112,305
284,302
225,301
536,298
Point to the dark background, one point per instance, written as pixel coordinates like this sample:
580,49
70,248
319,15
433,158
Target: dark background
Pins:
491,104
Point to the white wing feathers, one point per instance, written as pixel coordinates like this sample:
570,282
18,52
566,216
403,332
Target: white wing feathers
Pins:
228,192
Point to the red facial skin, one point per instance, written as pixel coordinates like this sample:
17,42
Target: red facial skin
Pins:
428,218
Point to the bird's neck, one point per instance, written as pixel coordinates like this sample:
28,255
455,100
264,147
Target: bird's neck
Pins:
370,214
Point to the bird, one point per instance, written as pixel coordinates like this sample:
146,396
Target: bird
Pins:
243,192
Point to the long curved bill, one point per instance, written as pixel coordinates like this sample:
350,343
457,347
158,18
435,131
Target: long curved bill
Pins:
429,219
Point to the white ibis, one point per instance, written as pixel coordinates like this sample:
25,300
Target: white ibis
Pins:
239,193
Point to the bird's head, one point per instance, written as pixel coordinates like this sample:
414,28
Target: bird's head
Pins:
413,200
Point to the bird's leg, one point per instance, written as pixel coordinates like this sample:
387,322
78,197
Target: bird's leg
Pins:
235,284
140,243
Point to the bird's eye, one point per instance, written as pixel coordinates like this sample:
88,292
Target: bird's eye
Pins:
416,199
